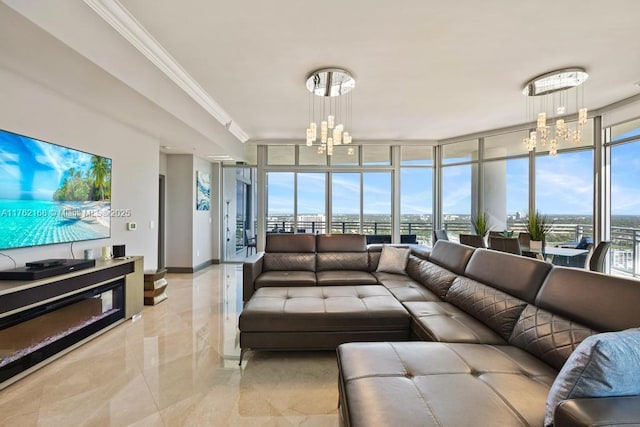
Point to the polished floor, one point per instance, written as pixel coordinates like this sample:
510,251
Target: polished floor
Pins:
178,366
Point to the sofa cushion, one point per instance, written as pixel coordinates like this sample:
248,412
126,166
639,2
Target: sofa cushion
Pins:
516,275
290,243
342,261
345,277
494,308
393,260
444,322
286,278
603,365
328,308
576,294
438,384
548,336
341,243
288,262
404,288
451,256
435,278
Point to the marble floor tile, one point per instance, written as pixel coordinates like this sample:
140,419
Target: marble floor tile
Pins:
178,366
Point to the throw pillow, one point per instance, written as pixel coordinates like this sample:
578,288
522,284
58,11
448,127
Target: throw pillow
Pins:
393,260
584,243
602,365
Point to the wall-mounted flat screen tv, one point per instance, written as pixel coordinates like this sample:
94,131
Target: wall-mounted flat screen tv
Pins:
51,194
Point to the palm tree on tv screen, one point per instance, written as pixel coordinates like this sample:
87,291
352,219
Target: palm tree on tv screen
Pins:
99,171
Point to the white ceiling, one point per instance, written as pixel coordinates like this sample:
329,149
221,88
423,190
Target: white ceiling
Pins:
425,69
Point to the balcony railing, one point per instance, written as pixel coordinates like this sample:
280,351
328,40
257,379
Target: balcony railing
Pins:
624,254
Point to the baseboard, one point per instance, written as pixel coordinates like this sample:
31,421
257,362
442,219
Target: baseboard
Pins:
203,265
179,270
194,269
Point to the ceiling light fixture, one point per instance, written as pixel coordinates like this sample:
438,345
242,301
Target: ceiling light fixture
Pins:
551,90
333,86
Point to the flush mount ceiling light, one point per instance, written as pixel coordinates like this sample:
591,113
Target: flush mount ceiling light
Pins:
552,92
332,86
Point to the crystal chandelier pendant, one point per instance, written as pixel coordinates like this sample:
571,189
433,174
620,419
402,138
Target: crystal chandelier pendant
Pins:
314,131
330,84
551,89
542,121
582,116
576,137
323,132
309,137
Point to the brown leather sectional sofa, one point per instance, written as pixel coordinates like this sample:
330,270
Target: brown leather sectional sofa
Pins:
495,330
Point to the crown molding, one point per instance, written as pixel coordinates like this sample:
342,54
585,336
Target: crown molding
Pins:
237,131
118,17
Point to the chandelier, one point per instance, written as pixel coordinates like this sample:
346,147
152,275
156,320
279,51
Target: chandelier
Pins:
553,90
332,115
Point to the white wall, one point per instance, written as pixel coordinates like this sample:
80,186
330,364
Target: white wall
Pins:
192,235
35,110
163,164
180,199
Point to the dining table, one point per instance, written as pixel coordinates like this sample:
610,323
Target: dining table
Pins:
556,254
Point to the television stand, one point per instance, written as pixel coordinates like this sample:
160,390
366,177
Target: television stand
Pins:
41,320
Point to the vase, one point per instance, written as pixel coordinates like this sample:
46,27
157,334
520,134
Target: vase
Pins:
535,245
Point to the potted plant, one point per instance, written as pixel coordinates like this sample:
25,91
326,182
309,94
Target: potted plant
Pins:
480,224
537,226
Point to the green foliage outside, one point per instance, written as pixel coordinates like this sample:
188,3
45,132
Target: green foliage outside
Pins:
93,186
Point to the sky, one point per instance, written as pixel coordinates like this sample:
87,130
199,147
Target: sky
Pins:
564,186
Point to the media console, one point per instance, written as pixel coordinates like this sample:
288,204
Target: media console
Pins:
40,320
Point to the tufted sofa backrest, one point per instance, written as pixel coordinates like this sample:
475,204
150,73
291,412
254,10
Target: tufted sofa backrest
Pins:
450,255
290,252
517,275
341,252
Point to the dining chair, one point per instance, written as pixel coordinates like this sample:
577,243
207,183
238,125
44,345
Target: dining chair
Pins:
582,260
524,239
505,244
472,240
409,238
596,263
439,235
378,238
250,241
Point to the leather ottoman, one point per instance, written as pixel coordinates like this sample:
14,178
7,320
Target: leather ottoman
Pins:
321,317
440,384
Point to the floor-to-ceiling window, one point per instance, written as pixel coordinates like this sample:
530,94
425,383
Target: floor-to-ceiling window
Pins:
345,202
376,203
280,202
459,160
238,211
624,153
310,213
564,188
416,193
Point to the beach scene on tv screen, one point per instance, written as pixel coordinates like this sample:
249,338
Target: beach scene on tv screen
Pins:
51,194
